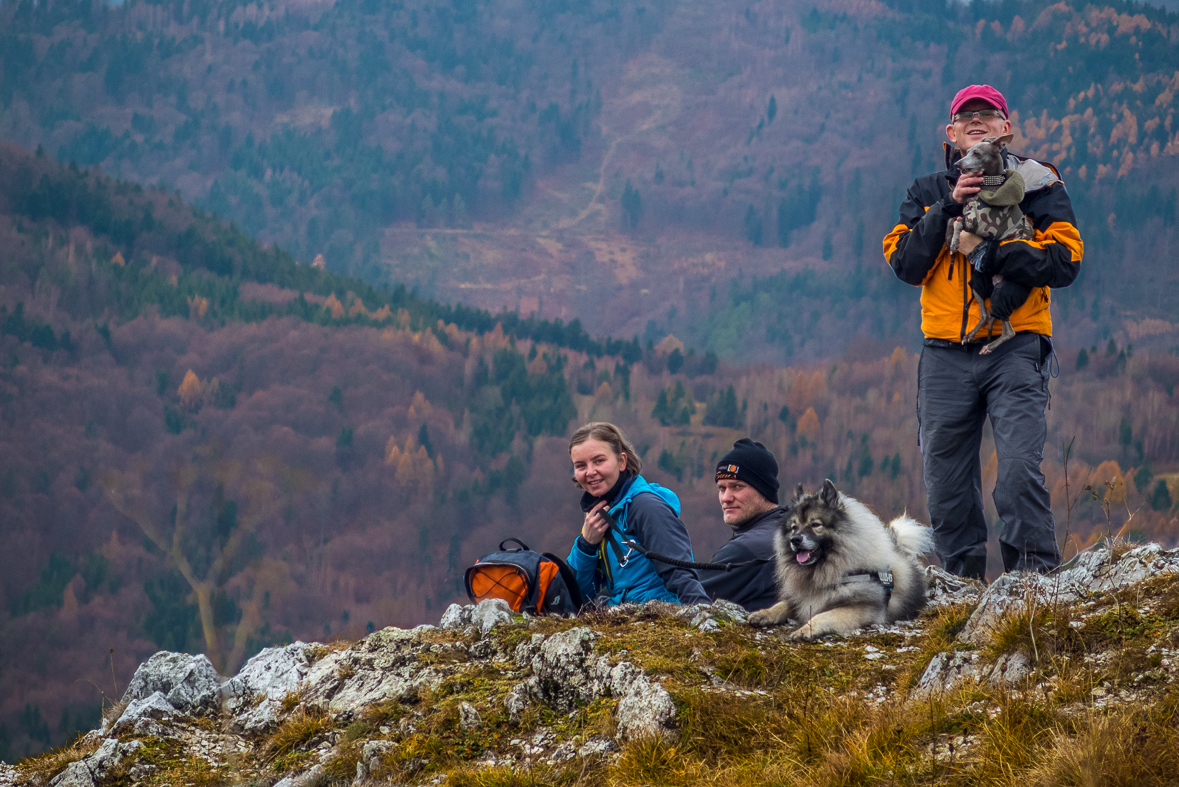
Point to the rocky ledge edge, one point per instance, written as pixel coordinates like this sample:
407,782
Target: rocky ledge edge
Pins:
357,700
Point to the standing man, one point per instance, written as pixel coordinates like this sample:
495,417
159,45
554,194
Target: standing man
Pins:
957,387
747,485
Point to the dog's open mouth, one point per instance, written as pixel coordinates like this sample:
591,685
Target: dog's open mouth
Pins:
806,557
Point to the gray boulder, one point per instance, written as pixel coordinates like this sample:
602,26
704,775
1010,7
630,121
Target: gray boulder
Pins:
370,757
94,768
189,682
469,717
567,672
1092,572
567,669
143,716
254,696
456,616
945,589
945,672
490,613
384,666
645,709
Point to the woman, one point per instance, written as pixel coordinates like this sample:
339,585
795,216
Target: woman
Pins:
607,468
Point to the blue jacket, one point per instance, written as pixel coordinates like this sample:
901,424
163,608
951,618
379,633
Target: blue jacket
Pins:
649,514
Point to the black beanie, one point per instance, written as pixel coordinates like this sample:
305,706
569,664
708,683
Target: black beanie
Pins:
752,463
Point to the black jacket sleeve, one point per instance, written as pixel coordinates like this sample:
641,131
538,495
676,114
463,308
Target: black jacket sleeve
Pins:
1053,259
918,239
731,585
658,529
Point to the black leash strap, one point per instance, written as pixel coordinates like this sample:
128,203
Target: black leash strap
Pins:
637,547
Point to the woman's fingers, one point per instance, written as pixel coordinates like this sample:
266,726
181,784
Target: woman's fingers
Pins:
595,526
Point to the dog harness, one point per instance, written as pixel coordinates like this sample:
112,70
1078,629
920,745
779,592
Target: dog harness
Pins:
884,578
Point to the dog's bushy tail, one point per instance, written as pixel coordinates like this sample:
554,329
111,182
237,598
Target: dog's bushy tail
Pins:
911,536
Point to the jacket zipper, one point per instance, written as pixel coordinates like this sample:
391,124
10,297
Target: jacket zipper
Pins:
965,304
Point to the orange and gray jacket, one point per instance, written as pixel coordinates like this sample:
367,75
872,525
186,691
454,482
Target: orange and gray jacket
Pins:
915,249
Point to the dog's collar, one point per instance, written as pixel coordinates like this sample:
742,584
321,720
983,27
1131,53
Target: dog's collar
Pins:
994,180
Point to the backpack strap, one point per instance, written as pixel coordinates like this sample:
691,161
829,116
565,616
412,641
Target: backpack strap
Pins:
570,579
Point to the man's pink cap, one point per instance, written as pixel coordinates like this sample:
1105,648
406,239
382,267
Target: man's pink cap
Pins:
984,92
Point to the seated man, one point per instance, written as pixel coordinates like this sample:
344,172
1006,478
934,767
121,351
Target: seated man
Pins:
747,485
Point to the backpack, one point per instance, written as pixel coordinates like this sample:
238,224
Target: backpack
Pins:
529,581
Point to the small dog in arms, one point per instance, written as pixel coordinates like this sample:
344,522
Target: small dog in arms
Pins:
840,568
995,216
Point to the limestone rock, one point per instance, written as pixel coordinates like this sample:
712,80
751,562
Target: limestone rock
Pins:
645,708
370,757
76,774
728,611
708,617
469,717
596,746
254,696
142,716
521,696
94,768
383,666
456,616
1008,595
1096,571
189,683
946,589
490,613
945,672
565,667
1009,670
309,778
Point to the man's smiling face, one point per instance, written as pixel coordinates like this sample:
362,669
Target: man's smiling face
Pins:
967,130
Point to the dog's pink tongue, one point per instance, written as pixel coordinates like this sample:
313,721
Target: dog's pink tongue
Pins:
802,557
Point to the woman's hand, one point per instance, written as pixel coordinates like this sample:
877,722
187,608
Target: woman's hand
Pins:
595,526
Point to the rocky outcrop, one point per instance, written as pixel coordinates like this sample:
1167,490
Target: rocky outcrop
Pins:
253,698
1017,593
519,690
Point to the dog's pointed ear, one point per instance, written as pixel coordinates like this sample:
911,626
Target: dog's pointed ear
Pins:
798,493
988,140
829,494
1005,139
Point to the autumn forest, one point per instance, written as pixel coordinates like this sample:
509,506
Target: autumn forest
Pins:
299,302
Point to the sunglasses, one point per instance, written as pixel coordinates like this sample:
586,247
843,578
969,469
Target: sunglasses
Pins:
979,114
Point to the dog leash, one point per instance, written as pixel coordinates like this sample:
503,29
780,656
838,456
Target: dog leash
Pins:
612,539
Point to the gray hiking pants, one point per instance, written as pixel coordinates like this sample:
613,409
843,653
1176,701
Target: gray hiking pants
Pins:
957,390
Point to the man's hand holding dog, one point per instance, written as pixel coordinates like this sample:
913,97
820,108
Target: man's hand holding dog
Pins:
595,526
969,184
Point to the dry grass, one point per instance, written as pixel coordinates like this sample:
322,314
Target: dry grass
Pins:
296,731
383,712
45,766
656,762
1128,747
115,710
290,701
581,774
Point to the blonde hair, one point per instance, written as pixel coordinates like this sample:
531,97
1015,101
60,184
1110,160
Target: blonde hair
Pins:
612,436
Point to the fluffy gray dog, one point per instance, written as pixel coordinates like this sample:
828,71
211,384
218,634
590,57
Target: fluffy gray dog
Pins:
840,568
